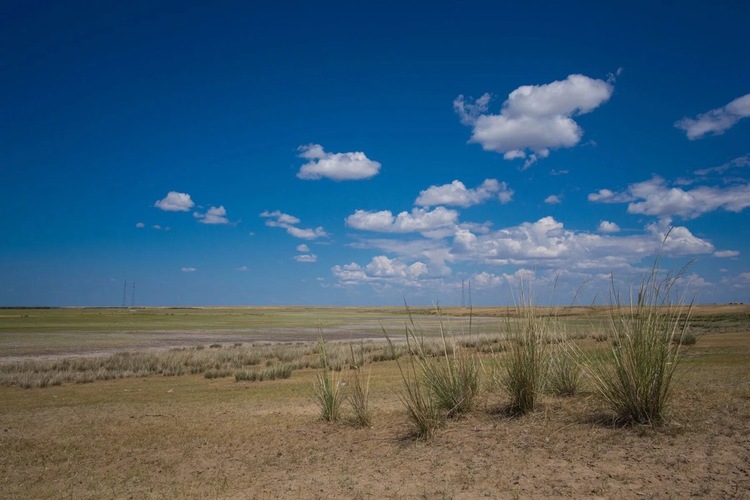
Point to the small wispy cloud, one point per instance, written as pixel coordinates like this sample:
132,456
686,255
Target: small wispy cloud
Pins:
725,254
716,121
243,269
309,258
289,223
609,196
188,269
140,225
742,161
552,199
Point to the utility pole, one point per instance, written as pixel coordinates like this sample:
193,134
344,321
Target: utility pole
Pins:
463,294
125,294
132,300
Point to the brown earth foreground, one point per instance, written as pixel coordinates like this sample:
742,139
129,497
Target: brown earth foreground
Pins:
189,437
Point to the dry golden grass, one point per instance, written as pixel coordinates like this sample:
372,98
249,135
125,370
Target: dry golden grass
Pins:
192,437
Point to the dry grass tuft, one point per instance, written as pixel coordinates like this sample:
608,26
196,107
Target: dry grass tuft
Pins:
527,361
328,388
636,377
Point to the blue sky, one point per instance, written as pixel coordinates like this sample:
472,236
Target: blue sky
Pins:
251,153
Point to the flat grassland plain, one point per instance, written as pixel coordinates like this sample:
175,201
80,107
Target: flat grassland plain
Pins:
201,434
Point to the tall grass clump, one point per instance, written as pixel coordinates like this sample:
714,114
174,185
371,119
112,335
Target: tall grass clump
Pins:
645,350
421,409
564,372
527,357
359,393
328,390
440,381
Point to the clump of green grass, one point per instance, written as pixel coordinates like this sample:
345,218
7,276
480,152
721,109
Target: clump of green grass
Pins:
274,372
452,378
420,406
636,378
328,389
440,381
526,362
484,343
217,373
564,373
390,352
359,394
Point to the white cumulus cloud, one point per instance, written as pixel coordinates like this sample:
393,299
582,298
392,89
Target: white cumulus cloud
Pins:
279,219
214,215
656,197
382,269
678,240
457,194
175,202
547,243
716,121
608,227
552,199
535,118
418,220
336,166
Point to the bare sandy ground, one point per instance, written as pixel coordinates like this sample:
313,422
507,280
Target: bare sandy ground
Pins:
187,437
